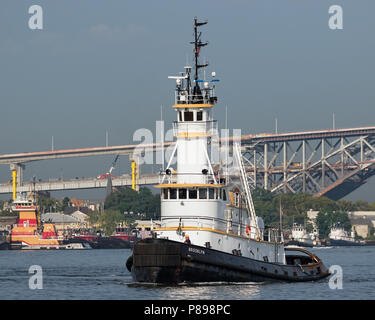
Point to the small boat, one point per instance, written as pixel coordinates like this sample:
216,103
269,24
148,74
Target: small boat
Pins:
121,238
126,235
301,238
338,236
209,230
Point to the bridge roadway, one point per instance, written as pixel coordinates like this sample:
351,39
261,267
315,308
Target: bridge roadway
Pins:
74,184
91,183
252,139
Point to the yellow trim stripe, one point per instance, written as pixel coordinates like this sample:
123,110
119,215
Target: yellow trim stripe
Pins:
211,230
198,105
192,135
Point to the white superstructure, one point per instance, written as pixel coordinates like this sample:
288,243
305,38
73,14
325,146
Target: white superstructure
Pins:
195,197
299,233
339,233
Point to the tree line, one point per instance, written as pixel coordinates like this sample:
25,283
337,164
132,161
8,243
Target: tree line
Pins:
294,208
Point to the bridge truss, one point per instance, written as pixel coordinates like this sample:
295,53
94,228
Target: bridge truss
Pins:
329,163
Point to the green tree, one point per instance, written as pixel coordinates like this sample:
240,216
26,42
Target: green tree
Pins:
94,217
48,204
109,220
65,203
129,200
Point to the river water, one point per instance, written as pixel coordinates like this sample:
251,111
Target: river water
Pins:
101,274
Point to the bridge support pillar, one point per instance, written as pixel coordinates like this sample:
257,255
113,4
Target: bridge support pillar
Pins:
135,170
17,176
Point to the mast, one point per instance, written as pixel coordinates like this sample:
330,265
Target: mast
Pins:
197,94
197,46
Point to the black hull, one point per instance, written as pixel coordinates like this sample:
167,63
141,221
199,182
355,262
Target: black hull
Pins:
169,262
4,246
104,243
345,243
112,243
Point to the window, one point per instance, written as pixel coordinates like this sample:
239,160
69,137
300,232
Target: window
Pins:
224,195
202,193
180,115
189,116
192,194
165,194
211,193
182,193
199,116
172,193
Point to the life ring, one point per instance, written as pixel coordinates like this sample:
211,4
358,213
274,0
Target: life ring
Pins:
248,229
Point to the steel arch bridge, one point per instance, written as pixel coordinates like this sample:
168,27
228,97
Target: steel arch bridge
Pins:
330,163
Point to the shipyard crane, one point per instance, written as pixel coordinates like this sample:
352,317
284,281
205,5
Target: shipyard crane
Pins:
102,176
113,164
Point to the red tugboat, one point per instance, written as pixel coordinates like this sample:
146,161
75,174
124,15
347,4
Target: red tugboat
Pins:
29,232
120,239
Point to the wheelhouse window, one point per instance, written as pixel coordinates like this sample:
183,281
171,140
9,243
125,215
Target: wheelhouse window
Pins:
180,115
199,116
165,194
224,195
189,116
182,193
172,193
211,193
193,193
203,193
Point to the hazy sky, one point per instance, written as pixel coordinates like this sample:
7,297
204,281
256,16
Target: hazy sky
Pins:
102,66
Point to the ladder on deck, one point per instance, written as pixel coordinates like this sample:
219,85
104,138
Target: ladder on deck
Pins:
246,187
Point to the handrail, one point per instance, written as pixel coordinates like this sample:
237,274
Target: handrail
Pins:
210,221
207,178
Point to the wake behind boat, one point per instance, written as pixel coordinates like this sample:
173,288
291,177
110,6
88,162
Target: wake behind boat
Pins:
209,229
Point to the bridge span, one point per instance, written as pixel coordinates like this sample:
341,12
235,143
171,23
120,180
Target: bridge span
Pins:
330,163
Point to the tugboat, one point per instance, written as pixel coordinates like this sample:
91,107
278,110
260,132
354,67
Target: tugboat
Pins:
208,232
30,233
121,238
301,238
340,237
